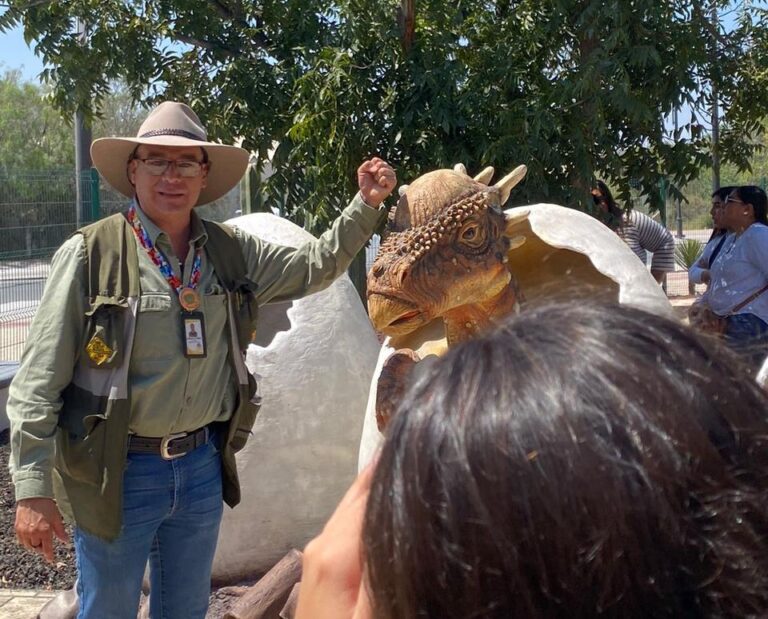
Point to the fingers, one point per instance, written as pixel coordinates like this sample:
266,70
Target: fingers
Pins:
46,547
376,180
386,178
59,530
359,488
36,521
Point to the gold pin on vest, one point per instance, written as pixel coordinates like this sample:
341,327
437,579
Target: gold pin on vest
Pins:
98,351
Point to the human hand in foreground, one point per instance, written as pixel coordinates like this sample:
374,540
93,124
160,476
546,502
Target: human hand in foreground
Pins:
37,520
332,583
376,180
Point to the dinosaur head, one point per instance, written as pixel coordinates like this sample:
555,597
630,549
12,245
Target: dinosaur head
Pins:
445,249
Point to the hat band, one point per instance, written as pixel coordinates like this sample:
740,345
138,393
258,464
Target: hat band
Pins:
177,132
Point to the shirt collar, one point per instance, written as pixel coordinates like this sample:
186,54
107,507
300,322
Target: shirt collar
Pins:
197,234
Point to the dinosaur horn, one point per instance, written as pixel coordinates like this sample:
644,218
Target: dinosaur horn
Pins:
514,218
516,242
461,169
485,176
402,189
506,184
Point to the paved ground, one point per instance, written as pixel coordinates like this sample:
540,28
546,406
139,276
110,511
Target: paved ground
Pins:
23,603
681,305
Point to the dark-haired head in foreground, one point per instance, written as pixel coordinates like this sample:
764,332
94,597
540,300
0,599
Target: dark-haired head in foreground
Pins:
581,461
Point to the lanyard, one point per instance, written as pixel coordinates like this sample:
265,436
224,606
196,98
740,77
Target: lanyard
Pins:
188,295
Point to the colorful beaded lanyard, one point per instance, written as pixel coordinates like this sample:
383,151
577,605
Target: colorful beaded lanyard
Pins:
189,298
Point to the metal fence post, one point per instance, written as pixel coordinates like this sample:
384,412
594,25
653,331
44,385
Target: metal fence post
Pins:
95,195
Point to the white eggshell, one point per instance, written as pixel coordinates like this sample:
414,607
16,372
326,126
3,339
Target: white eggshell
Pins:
315,361
564,250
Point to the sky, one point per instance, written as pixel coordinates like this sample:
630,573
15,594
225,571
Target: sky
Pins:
14,54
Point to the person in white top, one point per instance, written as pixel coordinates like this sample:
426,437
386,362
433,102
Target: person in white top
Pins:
738,289
699,271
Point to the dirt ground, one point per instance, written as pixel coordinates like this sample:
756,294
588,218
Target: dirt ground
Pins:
21,569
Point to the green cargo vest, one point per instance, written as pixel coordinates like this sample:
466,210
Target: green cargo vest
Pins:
92,433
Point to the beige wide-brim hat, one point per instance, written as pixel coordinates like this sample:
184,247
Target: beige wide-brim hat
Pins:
171,124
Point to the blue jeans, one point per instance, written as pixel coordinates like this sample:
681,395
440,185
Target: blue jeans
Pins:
747,335
171,515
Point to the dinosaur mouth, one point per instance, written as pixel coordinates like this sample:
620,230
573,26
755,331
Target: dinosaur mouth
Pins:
393,316
404,318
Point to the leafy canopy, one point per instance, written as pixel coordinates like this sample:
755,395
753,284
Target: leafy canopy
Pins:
573,88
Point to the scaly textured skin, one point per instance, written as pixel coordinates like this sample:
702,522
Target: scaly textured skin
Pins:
444,256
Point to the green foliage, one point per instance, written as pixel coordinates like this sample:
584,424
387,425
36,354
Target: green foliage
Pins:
687,252
573,88
37,175
34,137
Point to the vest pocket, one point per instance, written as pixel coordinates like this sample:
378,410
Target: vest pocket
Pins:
244,425
104,332
247,414
247,309
81,456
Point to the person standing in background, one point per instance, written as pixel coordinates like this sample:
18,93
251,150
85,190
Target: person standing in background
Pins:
738,289
641,233
699,272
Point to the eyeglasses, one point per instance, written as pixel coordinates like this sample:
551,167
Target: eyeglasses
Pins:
186,168
733,201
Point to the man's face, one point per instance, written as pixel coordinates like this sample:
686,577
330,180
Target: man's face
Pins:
170,192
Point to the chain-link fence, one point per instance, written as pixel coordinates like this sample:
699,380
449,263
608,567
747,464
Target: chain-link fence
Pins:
38,211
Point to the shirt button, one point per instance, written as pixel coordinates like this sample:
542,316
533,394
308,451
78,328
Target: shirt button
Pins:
189,399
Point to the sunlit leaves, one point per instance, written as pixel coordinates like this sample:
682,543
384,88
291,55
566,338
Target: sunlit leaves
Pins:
573,88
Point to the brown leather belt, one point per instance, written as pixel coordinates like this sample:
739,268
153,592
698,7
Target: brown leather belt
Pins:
171,446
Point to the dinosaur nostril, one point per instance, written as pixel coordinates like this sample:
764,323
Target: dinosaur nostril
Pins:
402,276
377,270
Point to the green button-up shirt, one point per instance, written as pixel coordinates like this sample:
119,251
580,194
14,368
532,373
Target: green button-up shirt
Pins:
169,392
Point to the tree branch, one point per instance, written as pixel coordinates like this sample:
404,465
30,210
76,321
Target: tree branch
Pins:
407,18
214,47
236,16
221,9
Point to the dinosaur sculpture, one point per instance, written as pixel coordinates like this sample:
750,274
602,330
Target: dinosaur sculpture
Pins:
452,263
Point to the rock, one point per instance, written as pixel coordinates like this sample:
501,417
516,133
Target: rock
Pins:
316,357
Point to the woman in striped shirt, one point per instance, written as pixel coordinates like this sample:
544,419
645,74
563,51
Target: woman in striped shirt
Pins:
641,233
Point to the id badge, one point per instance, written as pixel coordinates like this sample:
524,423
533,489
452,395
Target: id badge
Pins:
193,325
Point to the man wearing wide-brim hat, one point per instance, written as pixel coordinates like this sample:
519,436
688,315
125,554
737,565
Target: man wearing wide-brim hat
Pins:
132,395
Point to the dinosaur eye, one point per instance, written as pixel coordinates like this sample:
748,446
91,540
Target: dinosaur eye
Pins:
471,234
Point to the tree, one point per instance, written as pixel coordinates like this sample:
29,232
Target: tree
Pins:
37,176
573,88
35,138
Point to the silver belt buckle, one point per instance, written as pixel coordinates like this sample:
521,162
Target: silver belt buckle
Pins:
164,446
